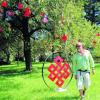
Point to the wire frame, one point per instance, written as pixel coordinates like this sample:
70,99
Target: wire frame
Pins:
56,72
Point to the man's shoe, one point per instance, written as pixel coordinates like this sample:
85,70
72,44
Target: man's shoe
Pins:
84,92
82,97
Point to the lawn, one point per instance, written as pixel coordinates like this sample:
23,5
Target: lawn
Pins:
18,85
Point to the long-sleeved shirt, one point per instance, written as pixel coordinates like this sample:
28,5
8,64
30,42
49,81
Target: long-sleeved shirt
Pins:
82,62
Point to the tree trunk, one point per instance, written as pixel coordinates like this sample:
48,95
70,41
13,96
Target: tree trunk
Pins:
6,51
27,44
27,53
8,57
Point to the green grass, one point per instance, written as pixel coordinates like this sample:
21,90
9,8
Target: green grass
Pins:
18,85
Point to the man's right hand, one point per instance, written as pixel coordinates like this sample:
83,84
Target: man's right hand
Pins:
93,71
75,76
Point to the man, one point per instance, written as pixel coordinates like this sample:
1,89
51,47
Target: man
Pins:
82,62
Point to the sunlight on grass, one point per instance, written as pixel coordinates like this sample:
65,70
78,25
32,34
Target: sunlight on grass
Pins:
19,85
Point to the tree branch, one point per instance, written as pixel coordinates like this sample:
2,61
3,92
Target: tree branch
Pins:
37,29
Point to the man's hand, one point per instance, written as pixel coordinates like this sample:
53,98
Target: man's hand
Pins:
93,71
76,76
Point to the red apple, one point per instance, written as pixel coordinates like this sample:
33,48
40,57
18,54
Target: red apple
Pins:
64,38
20,5
27,12
1,29
4,4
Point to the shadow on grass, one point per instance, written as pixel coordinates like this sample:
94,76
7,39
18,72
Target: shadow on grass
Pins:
64,98
16,72
12,72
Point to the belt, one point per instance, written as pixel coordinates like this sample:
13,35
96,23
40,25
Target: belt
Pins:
87,71
82,70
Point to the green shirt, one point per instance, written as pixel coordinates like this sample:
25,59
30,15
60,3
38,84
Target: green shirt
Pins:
83,62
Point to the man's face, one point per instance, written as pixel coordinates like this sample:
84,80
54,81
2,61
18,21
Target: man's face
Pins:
79,47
